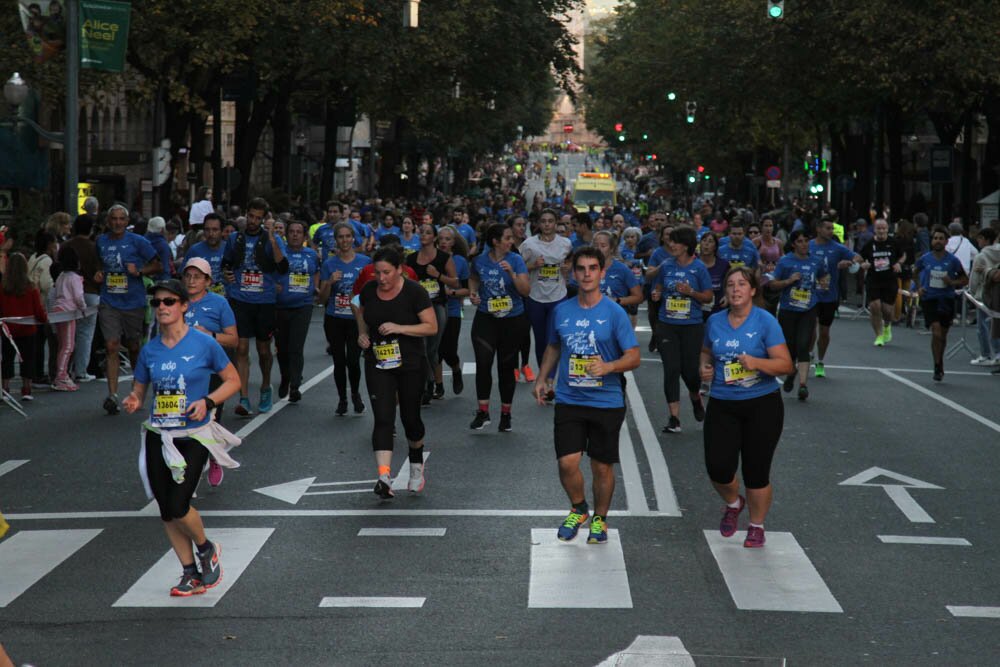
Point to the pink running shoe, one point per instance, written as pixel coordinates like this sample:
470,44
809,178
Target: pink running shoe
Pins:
755,538
730,518
215,473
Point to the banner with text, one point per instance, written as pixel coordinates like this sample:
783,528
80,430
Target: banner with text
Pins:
104,34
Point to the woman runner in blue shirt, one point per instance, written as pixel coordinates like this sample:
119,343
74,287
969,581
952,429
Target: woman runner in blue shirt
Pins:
742,354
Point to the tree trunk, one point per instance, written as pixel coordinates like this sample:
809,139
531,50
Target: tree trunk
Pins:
968,169
198,125
988,172
249,127
894,137
281,125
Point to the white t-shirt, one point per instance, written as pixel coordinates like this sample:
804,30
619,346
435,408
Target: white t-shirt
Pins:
964,250
547,281
199,211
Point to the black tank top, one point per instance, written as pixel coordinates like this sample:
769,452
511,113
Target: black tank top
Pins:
434,286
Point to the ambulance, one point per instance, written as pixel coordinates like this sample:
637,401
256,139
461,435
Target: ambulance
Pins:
594,188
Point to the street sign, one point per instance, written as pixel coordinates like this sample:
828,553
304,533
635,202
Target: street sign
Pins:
942,162
775,184
773,173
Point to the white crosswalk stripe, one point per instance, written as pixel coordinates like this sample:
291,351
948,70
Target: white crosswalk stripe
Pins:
29,555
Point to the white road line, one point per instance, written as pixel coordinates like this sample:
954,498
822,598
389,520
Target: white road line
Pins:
973,612
238,545
916,539
907,505
31,554
468,368
904,370
262,513
10,466
635,496
410,603
401,532
563,573
260,419
651,650
663,487
778,577
945,401
402,477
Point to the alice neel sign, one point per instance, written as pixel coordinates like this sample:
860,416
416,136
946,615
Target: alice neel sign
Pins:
104,34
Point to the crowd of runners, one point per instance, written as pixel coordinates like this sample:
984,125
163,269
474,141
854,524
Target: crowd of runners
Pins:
740,305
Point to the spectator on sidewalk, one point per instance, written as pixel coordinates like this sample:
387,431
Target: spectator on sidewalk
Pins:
988,260
86,252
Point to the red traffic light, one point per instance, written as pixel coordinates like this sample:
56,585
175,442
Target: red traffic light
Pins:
619,127
654,156
701,169
567,128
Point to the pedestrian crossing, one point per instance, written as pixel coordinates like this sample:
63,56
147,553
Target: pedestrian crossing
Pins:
779,577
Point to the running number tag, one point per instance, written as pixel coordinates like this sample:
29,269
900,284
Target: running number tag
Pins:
387,355
734,372
342,303
252,281
678,308
578,376
218,288
937,279
549,272
799,298
499,306
432,286
637,271
881,263
735,263
117,283
168,410
298,283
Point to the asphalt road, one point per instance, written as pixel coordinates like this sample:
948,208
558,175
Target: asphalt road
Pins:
878,457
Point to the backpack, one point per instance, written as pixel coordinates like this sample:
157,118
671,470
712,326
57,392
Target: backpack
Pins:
261,258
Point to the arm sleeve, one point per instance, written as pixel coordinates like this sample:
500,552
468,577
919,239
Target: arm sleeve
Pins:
704,279
141,370
226,315
36,305
772,331
518,265
146,250
218,355
623,330
77,284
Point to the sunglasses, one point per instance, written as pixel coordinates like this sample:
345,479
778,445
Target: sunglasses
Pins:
166,301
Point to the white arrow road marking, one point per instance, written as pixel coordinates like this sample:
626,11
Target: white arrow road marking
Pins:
9,466
974,612
292,492
917,539
648,650
896,492
415,603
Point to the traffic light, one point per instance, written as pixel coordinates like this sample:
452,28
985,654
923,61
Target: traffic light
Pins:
671,96
619,127
776,9
645,136
621,137
701,169
691,178
692,107
654,157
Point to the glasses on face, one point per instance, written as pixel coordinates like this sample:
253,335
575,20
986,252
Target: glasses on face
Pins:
345,236
754,232
168,301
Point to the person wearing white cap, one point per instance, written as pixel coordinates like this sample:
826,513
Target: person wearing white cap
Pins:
154,234
211,314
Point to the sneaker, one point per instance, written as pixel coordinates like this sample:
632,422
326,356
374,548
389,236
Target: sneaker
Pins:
571,526
981,361
294,395
111,404
517,375
529,375
598,531
243,409
755,538
887,333
416,483
938,373
211,568
820,371
383,489
704,389
457,382
803,392
359,405
84,378
481,420
189,585
64,385
504,426
264,405
699,409
26,394
789,383
438,392
879,341
215,473
673,426
731,518
283,388
341,408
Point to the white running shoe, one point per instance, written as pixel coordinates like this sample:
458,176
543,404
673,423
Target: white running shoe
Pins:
416,484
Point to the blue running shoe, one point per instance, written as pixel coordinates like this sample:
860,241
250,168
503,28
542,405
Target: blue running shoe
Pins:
598,531
571,526
244,409
264,405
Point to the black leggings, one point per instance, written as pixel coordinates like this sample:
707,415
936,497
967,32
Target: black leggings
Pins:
680,350
747,429
448,349
500,338
173,499
290,341
525,349
26,346
383,388
797,328
342,335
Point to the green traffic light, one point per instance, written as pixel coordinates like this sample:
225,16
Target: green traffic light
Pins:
775,11
645,136
671,96
707,177
691,179
621,137
690,119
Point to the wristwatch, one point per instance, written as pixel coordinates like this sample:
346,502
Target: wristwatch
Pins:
209,404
